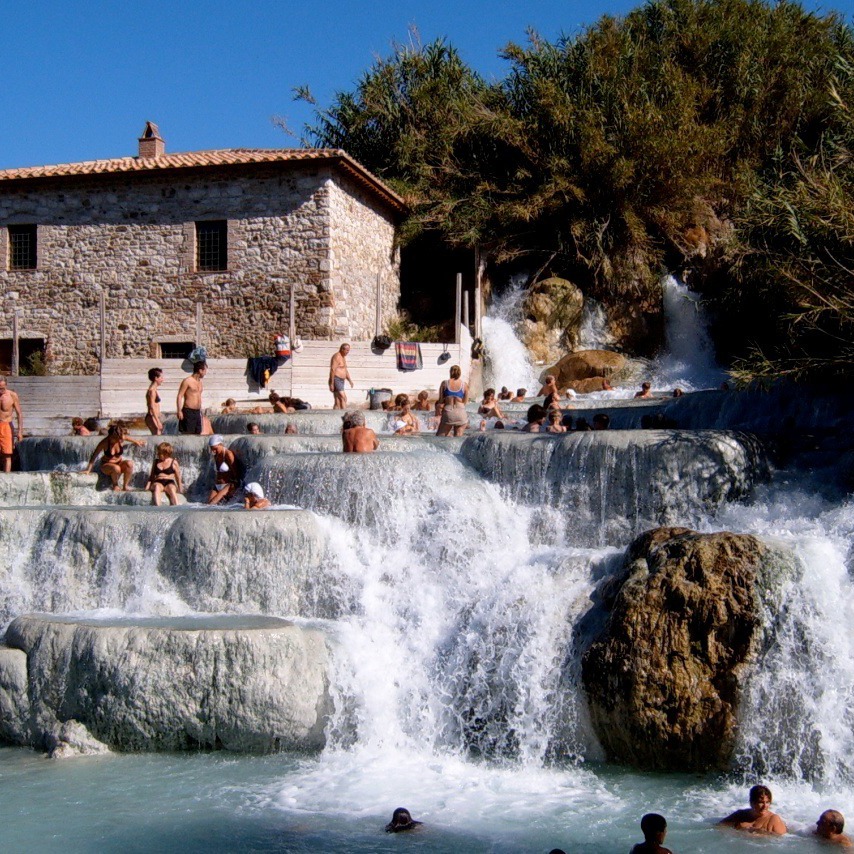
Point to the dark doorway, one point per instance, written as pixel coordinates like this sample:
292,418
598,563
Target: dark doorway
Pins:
31,356
176,349
428,281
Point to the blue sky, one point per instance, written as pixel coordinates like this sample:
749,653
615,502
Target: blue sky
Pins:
80,79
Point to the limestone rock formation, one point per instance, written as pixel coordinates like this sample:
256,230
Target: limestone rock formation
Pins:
252,684
679,629
552,308
586,364
589,385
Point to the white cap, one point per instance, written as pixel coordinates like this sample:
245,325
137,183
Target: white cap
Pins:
254,489
214,441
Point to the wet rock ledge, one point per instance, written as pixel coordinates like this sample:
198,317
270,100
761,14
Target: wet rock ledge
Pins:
675,637
241,683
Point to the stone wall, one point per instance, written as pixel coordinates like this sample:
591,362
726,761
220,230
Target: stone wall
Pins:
133,237
362,247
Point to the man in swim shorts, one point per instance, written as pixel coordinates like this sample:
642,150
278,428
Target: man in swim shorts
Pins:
189,404
9,406
339,373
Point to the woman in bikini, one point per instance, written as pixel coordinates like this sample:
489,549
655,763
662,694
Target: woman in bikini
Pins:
229,471
489,407
152,402
165,476
112,446
454,394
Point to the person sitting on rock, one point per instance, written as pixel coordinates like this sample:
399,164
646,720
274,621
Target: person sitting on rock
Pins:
229,407
229,471
279,405
549,392
645,392
401,820
829,827
759,818
165,475
253,497
505,393
520,395
113,464
654,829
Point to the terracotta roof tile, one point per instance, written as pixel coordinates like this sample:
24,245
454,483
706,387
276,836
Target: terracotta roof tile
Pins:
216,157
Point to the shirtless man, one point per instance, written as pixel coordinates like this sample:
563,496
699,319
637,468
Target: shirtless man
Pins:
357,438
644,393
829,827
338,375
9,406
189,404
759,818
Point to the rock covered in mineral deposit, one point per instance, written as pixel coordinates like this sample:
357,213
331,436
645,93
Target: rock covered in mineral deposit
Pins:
679,630
253,684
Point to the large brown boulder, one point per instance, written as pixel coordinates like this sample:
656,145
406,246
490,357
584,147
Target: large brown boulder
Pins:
586,364
589,385
552,309
682,625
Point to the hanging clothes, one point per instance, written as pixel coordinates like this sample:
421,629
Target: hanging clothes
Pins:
408,356
257,367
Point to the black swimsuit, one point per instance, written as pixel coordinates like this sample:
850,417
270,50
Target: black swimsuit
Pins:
111,455
164,476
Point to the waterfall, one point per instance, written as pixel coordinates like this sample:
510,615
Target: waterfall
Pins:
594,333
688,359
507,360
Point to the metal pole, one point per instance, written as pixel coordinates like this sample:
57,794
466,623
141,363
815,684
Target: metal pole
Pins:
466,310
16,355
459,306
378,325
198,324
102,321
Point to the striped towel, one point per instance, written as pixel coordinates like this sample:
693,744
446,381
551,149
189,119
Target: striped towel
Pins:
408,356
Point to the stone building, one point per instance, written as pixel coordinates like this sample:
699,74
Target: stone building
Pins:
203,247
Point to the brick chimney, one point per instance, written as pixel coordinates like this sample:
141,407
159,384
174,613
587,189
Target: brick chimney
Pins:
150,143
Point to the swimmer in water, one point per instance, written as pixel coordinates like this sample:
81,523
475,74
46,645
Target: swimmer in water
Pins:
829,827
654,829
401,820
759,818
253,497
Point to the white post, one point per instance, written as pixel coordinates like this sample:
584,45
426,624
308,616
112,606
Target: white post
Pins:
198,324
102,321
378,325
292,319
459,307
16,354
466,310
478,310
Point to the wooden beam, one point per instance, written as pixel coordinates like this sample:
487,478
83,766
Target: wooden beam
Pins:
16,353
458,311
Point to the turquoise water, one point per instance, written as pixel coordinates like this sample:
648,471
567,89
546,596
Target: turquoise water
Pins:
215,802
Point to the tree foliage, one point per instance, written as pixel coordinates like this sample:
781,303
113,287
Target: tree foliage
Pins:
597,152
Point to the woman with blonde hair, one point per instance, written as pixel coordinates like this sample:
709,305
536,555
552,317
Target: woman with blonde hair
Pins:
453,395
165,475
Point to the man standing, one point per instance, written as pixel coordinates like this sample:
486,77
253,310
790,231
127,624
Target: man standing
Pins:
338,375
189,404
357,438
9,406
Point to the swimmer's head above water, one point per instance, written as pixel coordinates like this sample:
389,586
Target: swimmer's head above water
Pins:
401,820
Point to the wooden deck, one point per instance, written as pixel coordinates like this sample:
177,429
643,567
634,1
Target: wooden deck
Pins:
119,390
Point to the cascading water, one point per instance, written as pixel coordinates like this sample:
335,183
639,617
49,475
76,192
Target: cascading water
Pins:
449,580
688,360
507,360
594,333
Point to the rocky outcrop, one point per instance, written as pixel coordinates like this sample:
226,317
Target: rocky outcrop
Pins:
251,684
586,364
676,633
552,309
